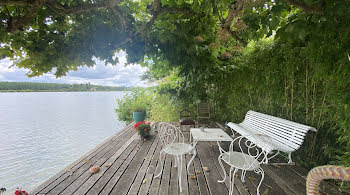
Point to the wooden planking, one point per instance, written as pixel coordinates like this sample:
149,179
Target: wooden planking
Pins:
150,171
136,176
75,178
201,181
184,176
193,187
165,176
154,187
87,184
131,161
267,186
73,171
292,182
126,180
120,171
174,184
213,176
108,174
282,183
198,184
79,162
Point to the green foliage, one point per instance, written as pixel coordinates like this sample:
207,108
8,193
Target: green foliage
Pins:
286,81
144,130
163,109
138,107
138,99
159,107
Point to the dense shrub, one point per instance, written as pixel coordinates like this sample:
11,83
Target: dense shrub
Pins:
135,100
159,107
292,86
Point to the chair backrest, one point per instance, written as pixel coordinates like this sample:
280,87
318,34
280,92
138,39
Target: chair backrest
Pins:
247,147
185,114
285,132
203,111
169,134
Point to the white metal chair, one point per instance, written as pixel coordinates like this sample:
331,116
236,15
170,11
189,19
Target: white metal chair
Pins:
238,160
173,143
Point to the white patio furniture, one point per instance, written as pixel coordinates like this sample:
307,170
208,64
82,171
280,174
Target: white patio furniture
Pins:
238,160
286,136
209,134
172,140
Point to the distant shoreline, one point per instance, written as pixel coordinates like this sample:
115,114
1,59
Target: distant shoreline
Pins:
13,91
57,87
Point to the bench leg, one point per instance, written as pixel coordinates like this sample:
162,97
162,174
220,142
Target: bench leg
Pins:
290,158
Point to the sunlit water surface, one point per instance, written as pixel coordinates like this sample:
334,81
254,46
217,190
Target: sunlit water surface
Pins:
42,133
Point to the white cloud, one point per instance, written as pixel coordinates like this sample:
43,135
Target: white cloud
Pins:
100,74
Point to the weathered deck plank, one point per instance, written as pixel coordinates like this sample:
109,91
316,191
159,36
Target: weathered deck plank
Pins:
213,176
128,166
165,177
150,171
86,185
108,174
78,162
135,167
69,184
119,172
140,175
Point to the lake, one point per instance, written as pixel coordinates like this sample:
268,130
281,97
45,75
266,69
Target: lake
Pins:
43,132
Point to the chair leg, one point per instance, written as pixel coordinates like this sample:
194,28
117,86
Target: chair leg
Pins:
290,158
260,170
192,158
161,165
223,169
176,159
243,175
230,175
232,179
180,171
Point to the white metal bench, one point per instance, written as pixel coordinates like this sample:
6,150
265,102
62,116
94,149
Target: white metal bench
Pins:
286,136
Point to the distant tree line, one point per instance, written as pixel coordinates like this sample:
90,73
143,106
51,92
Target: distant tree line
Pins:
30,86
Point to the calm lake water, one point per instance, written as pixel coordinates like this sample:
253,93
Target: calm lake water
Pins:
43,132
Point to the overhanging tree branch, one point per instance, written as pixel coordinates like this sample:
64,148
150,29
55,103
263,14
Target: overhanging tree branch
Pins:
318,9
15,3
236,11
158,9
16,23
80,8
239,39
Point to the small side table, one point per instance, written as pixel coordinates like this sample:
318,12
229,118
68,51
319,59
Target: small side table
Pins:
209,134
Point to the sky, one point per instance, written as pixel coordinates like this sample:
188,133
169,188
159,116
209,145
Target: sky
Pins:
100,74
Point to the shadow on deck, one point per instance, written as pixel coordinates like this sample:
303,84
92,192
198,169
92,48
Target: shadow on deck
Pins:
128,166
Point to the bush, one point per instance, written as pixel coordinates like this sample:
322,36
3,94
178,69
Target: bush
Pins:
159,107
138,99
138,106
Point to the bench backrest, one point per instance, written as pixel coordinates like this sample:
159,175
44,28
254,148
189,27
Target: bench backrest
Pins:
286,132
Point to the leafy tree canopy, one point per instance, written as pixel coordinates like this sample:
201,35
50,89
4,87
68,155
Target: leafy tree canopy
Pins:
194,35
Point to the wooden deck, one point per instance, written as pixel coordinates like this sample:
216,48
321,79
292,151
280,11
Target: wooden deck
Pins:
128,166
